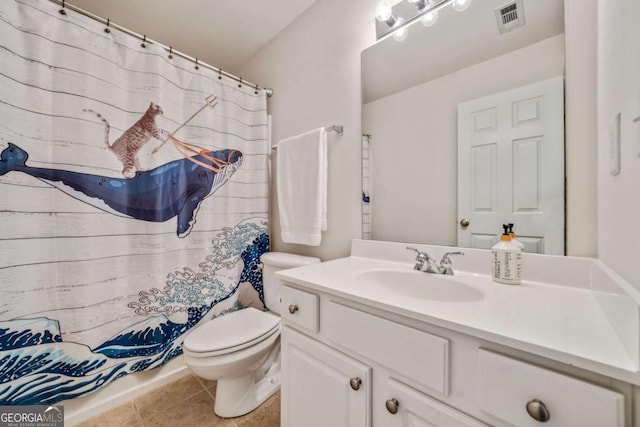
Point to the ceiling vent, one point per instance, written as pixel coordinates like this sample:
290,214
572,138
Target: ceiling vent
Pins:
510,16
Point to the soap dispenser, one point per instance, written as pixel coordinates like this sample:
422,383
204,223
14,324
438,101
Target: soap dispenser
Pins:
506,260
516,242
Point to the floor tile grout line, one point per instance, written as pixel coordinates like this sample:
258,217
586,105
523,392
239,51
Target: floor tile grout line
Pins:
184,396
135,409
211,394
202,383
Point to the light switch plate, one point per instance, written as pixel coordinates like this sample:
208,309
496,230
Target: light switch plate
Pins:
614,145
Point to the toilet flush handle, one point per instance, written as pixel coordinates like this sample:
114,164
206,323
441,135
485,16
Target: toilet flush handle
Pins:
293,308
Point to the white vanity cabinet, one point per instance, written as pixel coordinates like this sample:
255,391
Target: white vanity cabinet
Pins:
407,407
322,387
526,395
347,364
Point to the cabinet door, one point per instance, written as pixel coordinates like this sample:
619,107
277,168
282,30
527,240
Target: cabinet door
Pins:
414,409
317,386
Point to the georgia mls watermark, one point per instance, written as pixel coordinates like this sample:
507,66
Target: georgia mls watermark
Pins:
32,416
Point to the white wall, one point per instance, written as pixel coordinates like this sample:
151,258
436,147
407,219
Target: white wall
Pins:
314,68
619,91
416,200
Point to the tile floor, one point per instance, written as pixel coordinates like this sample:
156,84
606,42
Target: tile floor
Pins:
187,402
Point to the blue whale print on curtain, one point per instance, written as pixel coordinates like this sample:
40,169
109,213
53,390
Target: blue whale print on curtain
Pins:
102,275
174,189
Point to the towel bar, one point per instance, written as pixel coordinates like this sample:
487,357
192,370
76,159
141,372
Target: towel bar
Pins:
333,128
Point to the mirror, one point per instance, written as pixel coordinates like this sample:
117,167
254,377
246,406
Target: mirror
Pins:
415,96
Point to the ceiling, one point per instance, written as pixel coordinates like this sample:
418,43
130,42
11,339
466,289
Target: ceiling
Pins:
222,33
457,40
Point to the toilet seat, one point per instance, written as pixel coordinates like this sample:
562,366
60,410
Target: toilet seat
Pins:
231,332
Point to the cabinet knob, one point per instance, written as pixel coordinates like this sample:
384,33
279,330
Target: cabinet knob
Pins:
392,406
355,383
538,411
293,308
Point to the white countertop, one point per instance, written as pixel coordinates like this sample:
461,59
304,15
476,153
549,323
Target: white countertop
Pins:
563,323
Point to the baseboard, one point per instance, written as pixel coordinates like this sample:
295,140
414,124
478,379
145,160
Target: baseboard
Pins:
121,391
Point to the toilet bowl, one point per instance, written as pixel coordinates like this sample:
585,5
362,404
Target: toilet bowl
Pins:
241,350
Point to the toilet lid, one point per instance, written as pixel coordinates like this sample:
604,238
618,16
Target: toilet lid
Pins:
231,330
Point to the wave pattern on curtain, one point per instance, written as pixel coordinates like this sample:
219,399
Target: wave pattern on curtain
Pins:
109,253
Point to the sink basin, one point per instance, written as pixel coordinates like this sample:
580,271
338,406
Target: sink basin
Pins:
416,284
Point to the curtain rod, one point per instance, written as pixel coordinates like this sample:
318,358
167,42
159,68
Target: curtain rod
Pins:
144,38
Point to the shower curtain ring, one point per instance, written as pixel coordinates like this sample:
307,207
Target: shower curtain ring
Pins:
240,84
197,67
144,42
170,52
219,73
256,91
62,11
108,30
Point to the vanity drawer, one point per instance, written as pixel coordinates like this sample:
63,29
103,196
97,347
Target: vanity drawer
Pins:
418,356
405,406
507,387
300,308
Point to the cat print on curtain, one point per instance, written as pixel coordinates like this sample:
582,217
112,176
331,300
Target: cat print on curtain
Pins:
114,245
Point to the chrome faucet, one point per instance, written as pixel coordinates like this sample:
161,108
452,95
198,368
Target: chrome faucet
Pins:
446,266
425,263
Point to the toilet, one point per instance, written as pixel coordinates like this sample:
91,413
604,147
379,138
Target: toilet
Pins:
241,350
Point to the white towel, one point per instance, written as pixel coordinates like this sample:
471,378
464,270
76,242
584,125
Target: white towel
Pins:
302,187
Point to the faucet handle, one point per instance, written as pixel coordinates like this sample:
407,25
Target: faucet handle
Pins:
424,262
421,255
418,251
446,257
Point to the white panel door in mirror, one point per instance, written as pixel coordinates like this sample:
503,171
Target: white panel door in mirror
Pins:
511,167
483,166
527,162
484,120
527,111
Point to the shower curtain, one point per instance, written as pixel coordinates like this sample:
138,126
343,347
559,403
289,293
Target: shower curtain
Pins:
110,252
366,187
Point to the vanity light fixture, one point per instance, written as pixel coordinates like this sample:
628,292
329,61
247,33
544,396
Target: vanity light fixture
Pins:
429,18
460,5
420,4
402,32
394,19
384,13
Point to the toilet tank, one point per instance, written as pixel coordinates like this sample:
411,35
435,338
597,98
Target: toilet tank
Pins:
276,261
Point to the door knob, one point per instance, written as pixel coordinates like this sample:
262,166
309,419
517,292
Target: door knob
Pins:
464,222
392,406
538,411
293,308
355,383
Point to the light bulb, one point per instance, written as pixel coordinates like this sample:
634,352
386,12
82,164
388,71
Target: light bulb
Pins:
429,18
401,33
384,11
460,5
